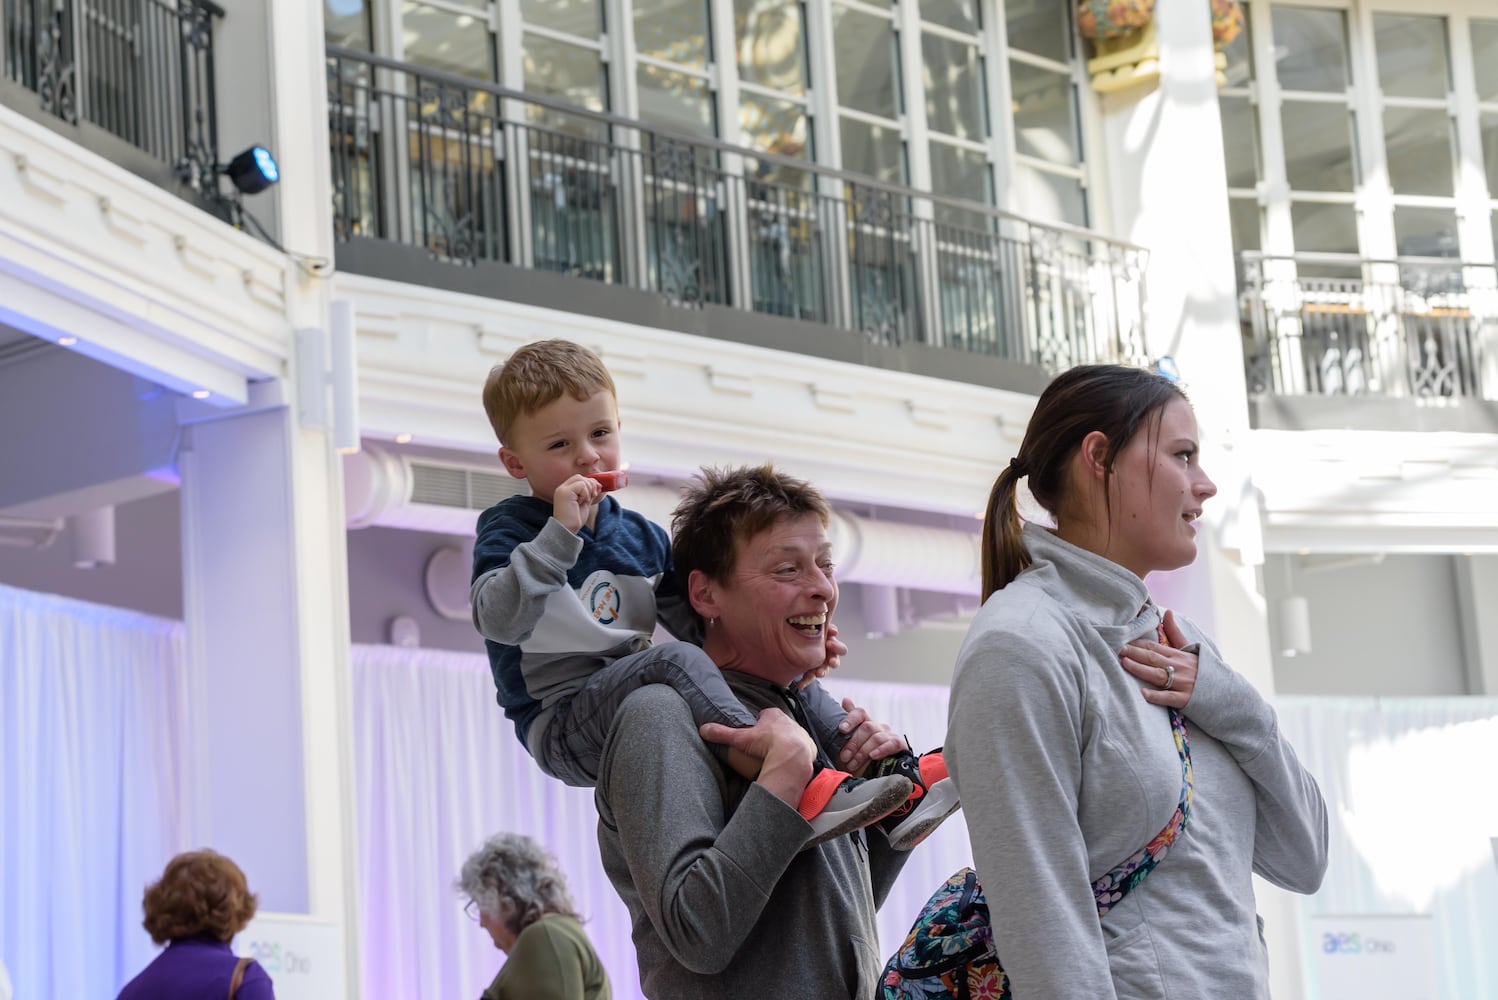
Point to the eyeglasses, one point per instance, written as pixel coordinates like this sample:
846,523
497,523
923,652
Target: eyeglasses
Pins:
471,908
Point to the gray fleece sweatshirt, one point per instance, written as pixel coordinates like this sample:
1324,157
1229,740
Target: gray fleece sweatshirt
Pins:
1065,770
723,900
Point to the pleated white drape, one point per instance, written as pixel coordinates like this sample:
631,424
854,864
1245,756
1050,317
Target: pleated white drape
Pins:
92,720
1411,787
93,800
439,769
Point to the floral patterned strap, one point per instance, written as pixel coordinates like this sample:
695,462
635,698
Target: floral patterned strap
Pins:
1113,886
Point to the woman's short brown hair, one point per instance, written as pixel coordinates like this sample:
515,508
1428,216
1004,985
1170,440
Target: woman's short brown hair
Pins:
201,894
721,506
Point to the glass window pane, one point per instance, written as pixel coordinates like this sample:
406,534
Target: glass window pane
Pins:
1239,68
1487,123
1240,141
1243,213
1318,146
1418,149
1324,228
1042,28
773,126
583,18
1044,115
864,47
961,173
1425,232
1485,58
570,73
779,127
675,30
771,46
954,87
959,14
675,100
1310,49
873,150
1041,194
457,43
346,22
1411,55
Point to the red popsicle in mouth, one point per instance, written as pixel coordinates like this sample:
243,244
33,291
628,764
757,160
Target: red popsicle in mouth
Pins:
610,481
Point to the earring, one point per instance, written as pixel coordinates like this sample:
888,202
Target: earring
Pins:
711,622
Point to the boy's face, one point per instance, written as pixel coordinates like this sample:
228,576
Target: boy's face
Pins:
565,438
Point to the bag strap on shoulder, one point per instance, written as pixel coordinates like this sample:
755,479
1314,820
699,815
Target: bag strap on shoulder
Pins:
239,970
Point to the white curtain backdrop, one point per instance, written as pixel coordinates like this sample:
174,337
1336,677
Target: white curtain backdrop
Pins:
1413,802
92,703
439,769
93,801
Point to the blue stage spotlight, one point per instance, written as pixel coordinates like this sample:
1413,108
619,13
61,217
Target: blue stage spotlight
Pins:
253,171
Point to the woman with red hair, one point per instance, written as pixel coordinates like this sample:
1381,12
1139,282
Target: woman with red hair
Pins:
200,903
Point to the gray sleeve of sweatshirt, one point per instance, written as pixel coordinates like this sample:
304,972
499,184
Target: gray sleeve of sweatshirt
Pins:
1014,747
508,601
703,877
1290,833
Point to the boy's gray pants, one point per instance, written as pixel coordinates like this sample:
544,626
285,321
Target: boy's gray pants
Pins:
567,739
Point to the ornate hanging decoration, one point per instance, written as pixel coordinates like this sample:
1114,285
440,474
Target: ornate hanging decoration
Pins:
1125,52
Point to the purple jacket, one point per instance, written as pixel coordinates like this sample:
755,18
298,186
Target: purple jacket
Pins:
196,969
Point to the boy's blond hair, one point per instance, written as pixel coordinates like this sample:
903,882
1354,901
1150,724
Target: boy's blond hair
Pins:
537,374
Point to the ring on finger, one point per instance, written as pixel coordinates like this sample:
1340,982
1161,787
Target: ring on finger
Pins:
1170,677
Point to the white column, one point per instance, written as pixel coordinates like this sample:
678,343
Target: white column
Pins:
265,603
265,565
1477,595
314,513
1165,167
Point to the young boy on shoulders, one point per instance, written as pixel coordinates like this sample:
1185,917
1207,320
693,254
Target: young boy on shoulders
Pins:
568,587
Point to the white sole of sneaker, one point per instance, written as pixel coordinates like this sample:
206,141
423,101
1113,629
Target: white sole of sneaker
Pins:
939,802
882,800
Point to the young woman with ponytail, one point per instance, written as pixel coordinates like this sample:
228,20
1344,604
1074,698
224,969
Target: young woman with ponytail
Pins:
1092,732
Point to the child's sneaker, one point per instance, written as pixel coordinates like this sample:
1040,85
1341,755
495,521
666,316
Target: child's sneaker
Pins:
835,802
932,799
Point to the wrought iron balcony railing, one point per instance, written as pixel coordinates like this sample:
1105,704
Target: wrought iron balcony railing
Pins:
141,70
471,172
1335,324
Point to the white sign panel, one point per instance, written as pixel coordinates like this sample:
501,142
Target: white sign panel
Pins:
304,957
1373,957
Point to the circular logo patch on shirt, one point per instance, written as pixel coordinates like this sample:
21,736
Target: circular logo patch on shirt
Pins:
603,602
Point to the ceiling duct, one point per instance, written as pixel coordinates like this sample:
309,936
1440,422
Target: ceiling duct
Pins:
422,494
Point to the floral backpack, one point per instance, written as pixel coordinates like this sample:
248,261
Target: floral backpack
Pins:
950,950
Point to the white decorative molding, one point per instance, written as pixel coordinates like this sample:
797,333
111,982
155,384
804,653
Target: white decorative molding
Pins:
620,363
734,383
130,227
40,180
1352,491
834,400
689,401
934,418
263,289
194,259
102,242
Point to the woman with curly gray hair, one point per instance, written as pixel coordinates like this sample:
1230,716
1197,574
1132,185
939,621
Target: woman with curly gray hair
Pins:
516,894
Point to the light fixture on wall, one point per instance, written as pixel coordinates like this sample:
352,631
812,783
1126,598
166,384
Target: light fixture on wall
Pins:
334,366
881,610
252,171
1295,616
1295,626
93,538
404,631
446,580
